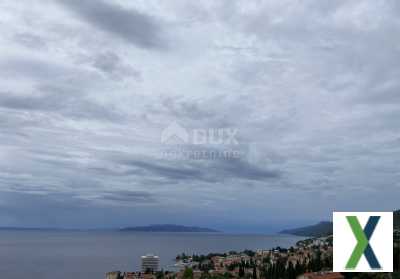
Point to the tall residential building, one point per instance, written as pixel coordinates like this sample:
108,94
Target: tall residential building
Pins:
150,263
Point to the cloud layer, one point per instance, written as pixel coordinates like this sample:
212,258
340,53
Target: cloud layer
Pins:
88,88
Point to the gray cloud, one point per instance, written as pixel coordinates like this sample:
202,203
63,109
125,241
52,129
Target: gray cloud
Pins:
243,169
128,24
57,87
204,170
30,40
58,101
111,64
36,69
166,170
128,196
311,88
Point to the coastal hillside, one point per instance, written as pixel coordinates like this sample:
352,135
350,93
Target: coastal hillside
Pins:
396,219
167,228
325,228
317,230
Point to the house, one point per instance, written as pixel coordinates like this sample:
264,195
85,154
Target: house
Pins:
321,275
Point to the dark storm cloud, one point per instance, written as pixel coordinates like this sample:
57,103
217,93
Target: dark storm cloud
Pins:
242,169
165,169
128,196
205,171
137,28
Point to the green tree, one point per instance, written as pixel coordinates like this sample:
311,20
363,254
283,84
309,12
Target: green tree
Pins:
188,273
241,271
160,274
254,272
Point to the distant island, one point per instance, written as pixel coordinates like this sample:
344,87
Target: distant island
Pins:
324,228
167,228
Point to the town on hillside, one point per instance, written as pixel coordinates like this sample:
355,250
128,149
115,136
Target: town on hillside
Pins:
308,259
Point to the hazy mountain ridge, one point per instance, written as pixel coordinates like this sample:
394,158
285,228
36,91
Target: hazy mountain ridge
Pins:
325,228
321,229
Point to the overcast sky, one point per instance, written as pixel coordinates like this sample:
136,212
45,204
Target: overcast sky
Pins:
305,93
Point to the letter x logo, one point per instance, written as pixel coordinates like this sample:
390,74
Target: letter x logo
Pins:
363,246
362,241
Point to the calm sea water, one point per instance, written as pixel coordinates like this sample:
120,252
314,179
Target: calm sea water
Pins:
88,255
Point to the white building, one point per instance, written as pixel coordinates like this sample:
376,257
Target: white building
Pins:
150,263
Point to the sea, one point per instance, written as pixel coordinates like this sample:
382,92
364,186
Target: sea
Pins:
90,254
